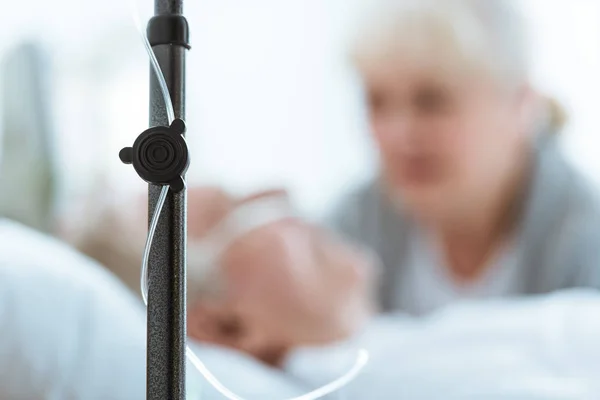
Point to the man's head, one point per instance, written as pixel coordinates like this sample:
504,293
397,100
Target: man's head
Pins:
283,283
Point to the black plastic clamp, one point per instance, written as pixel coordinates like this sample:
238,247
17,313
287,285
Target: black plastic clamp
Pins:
160,155
169,29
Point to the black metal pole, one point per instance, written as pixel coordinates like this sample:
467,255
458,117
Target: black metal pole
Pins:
168,7
168,35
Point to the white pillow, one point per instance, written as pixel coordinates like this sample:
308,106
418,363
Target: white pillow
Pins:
68,329
242,375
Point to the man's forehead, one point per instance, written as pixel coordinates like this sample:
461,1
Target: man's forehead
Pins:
254,219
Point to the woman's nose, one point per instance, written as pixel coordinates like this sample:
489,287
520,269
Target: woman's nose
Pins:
400,132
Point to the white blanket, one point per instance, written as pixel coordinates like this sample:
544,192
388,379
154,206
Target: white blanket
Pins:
70,330
531,349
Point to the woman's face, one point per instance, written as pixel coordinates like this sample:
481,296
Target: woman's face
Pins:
443,137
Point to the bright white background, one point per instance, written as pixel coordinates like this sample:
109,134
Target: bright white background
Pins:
271,100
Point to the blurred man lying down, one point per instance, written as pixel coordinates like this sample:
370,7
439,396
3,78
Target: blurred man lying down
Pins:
69,330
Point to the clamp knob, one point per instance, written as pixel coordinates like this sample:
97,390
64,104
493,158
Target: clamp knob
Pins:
160,155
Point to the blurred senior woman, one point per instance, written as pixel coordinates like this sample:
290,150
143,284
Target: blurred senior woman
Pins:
474,198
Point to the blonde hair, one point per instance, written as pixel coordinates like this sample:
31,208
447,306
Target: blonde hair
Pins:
555,116
473,36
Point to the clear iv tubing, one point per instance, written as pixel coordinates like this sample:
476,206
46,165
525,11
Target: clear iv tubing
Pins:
362,357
